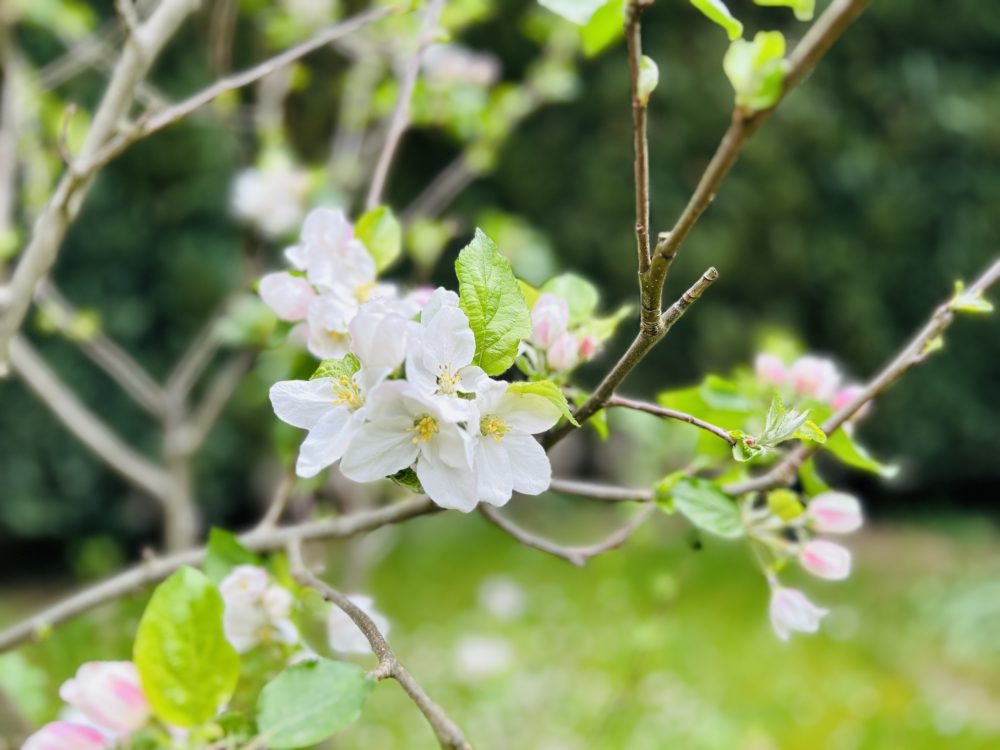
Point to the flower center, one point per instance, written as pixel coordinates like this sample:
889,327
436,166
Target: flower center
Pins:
493,426
423,428
448,380
346,393
363,292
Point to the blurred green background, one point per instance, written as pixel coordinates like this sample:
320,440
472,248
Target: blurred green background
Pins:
848,218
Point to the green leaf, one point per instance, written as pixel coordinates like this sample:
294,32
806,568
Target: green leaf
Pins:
717,11
187,666
663,490
343,367
810,432
812,482
782,425
574,11
310,702
842,445
604,28
492,300
803,9
649,77
381,233
408,478
581,296
547,390
968,302
707,507
757,70
224,553
785,504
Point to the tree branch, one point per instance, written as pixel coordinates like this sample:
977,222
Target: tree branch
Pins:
448,734
605,492
661,411
912,354
633,41
401,115
220,391
578,555
157,568
86,426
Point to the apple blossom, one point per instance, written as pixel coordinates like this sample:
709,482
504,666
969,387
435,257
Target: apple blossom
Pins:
378,334
65,735
409,428
108,693
549,320
845,396
271,198
825,559
834,513
331,409
564,354
480,657
256,610
287,295
790,611
506,457
814,377
770,369
344,635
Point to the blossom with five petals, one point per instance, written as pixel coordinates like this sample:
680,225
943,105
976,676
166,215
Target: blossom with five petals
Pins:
109,693
256,609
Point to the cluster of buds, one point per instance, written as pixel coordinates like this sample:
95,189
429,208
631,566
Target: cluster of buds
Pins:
109,704
787,531
809,377
555,346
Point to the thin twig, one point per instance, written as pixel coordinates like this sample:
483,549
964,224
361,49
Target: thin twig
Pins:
633,40
157,568
604,492
665,413
401,114
448,734
279,500
578,555
912,354
220,390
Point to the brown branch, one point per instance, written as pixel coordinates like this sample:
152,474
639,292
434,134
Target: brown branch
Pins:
665,413
157,568
577,555
912,354
279,500
401,114
644,341
633,40
448,734
220,390
604,492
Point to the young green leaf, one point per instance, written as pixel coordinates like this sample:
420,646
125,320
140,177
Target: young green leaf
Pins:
604,28
649,77
968,302
187,667
785,504
408,478
803,9
547,390
492,300
757,70
531,294
310,702
842,445
224,553
707,507
574,11
581,296
343,367
717,11
381,233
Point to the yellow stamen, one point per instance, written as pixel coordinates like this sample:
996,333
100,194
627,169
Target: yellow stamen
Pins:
447,380
346,393
363,292
425,428
493,426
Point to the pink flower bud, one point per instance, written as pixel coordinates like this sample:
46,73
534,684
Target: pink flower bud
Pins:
288,296
826,559
846,395
64,735
549,319
562,355
588,347
791,611
814,377
769,369
109,693
834,513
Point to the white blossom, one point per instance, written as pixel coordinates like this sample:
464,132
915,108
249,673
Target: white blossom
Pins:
379,333
549,320
409,428
344,635
790,611
287,295
271,198
447,64
256,610
506,456
479,657
770,369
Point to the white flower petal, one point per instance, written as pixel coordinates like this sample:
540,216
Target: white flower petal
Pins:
440,298
379,449
447,486
288,296
494,479
529,464
303,403
327,441
526,412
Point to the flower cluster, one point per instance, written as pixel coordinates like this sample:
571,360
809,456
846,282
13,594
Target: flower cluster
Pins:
108,698
560,348
271,197
465,436
787,531
809,377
